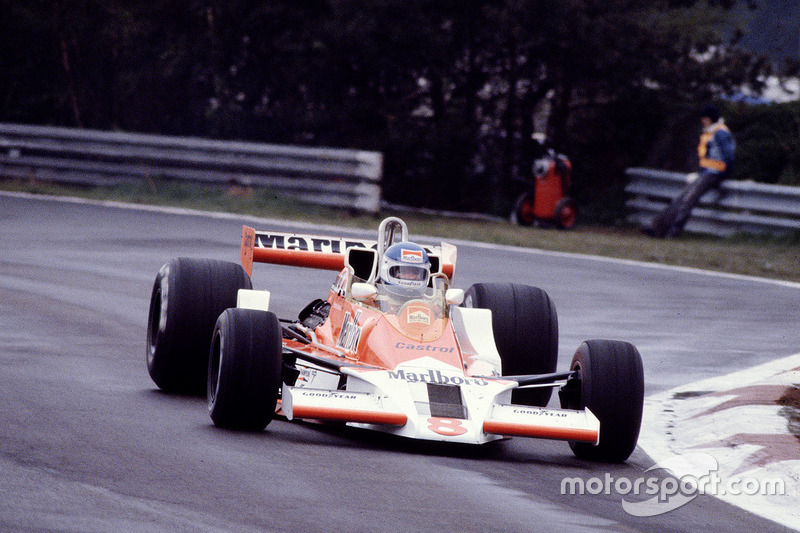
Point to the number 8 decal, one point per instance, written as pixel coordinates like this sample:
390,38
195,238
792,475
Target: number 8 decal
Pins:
449,427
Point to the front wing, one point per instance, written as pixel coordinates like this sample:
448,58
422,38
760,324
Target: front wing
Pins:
426,399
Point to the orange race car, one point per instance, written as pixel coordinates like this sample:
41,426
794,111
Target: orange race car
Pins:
394,348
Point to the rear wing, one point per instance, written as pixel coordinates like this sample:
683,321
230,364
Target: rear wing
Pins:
323,252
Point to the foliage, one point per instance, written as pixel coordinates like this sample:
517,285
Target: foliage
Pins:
768,142
450,91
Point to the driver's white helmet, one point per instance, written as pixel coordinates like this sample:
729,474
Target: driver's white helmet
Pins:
405,266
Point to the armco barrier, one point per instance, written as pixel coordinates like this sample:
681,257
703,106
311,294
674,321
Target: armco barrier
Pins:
736,207
340,178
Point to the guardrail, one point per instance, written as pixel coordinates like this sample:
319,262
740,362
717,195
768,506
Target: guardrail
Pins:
736,207
333,177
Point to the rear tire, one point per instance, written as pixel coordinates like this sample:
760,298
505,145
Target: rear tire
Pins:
525,327
244,369
188,296
611,385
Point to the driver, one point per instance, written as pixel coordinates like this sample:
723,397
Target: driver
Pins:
405,269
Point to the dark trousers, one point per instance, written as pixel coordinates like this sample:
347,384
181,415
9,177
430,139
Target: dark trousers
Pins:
670,221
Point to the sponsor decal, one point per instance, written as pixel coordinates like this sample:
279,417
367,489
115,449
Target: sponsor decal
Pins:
436,376
309,243
418,315
332,395
424,347
541,412
350,335
411,256
162,318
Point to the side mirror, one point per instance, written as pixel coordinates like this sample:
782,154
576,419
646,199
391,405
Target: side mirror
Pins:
454,296
362,291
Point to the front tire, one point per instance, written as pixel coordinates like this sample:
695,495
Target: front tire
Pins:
525,327
244,369
188,295
610,384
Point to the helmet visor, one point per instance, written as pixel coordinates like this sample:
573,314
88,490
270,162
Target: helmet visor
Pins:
409,273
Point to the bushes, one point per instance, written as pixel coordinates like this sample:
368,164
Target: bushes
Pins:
768,142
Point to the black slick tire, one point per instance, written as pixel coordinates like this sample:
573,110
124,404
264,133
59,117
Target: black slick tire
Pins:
610,383
525,327
244,369
187,298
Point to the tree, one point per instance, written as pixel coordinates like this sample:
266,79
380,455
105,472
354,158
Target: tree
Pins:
449,90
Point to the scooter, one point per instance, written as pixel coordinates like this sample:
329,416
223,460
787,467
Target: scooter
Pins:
545,199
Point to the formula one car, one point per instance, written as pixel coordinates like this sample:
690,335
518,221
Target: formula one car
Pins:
393,348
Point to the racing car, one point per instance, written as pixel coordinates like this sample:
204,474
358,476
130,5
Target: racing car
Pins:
394,347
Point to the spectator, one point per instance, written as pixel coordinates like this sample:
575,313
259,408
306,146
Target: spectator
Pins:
715,152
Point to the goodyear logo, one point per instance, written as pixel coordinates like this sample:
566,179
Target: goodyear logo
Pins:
541,412
332,395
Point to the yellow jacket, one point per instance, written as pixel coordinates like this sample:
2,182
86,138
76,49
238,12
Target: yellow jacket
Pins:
716,147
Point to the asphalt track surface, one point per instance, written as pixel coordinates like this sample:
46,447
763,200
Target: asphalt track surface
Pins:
87,443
